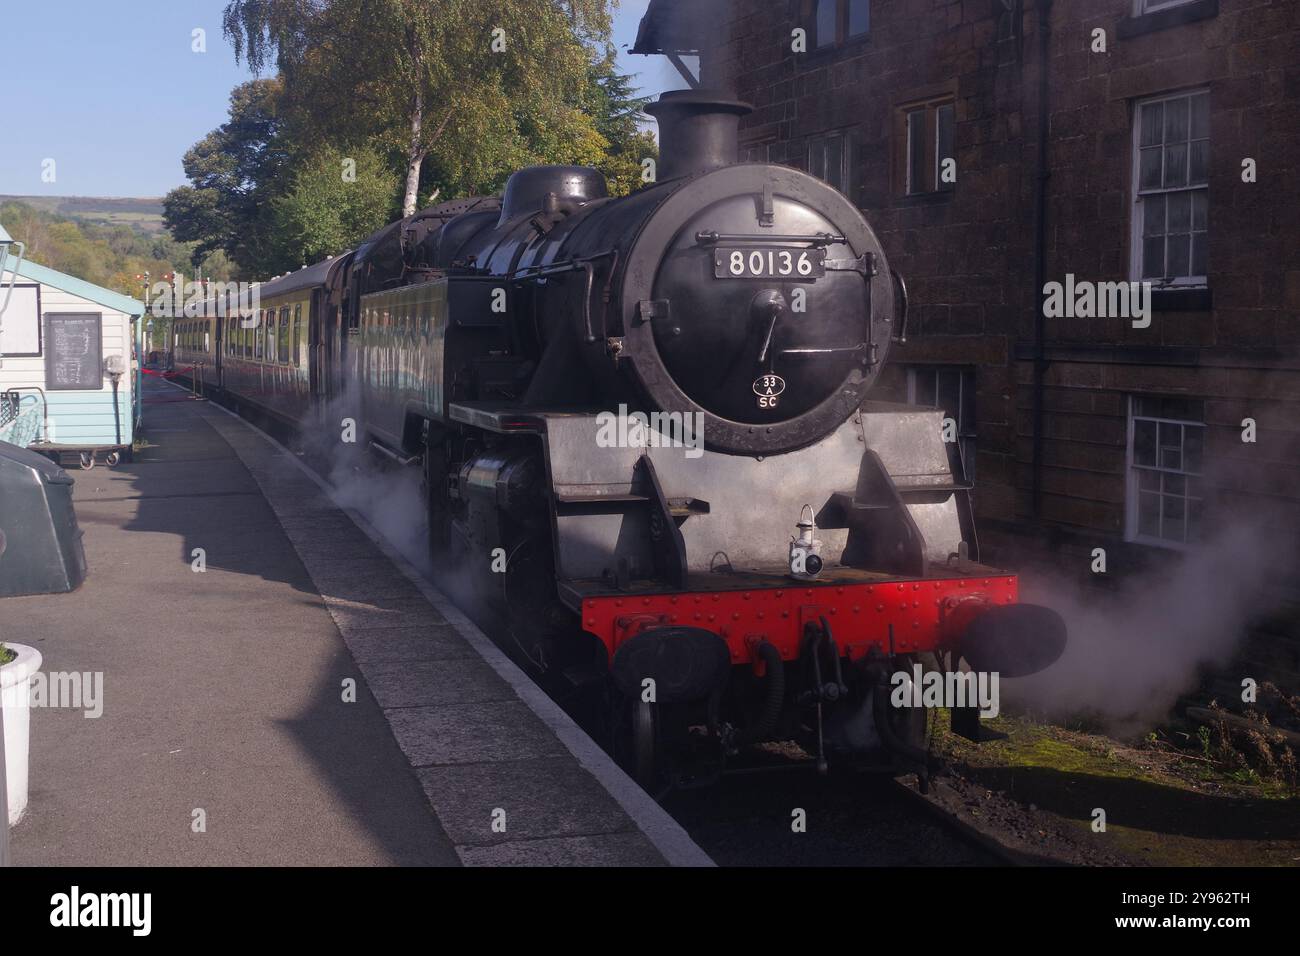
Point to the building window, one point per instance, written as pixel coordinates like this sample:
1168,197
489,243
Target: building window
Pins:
1152,6
1009,20
1166,442
830,157
836,21
1171,160
951,388
927,133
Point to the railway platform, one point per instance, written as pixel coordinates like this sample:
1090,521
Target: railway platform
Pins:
275,685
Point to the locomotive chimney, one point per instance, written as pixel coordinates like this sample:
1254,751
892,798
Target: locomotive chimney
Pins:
698,130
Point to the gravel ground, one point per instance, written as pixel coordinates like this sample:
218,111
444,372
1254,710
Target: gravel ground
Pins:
852,820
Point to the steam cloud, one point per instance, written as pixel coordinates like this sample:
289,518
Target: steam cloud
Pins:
1131,655
390,498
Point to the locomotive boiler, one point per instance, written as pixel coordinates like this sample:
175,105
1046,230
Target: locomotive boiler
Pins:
645,431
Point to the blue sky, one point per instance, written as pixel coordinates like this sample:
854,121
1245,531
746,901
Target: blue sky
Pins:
112,92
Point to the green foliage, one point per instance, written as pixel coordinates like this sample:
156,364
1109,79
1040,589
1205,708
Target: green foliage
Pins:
417,94
617,112
235,171
477,88
323,212
109,256
6,655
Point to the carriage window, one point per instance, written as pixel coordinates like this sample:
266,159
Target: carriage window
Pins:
207,336
297,331
270,337
259,341
282,340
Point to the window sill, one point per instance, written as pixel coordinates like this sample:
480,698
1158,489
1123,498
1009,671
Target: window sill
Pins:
925,199
830,52
1160,544
1163,19
1181,300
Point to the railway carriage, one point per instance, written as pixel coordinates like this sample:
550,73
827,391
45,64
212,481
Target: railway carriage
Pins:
644,425
267,356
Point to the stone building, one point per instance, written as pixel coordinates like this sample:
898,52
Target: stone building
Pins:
1000,146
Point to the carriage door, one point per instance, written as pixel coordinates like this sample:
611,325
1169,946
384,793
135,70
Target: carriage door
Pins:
316,345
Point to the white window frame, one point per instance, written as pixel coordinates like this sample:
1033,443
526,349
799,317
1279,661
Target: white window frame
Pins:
1136,214
1132,482
1141,7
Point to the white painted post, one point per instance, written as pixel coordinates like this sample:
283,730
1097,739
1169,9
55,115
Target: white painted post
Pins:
4,791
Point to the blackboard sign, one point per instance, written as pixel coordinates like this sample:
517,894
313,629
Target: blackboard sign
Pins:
74,351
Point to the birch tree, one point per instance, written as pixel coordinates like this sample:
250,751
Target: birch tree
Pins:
461,90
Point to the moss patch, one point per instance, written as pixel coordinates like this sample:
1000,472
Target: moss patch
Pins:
1162,807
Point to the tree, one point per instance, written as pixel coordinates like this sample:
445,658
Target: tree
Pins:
611,101
479,87
235,171
107,255
334,202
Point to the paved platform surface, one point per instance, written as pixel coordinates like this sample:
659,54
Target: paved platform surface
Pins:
224,690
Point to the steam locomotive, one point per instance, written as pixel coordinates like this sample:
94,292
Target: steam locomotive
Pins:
645,423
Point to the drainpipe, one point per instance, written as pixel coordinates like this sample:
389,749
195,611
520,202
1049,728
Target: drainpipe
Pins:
1040,251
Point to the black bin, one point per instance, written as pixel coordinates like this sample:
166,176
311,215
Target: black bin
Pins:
40,544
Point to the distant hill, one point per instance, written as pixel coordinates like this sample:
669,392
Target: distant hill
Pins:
144,215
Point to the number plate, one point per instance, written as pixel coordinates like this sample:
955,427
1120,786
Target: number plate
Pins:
768,263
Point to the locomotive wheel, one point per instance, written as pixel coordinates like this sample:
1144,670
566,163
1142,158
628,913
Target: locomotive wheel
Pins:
527,595
645,744
911,725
